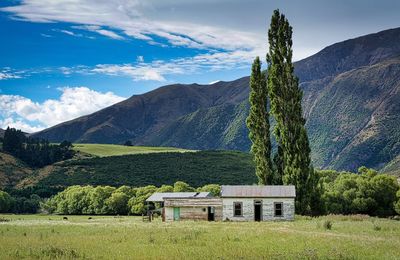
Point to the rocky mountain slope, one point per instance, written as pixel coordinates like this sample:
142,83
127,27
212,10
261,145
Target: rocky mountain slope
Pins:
351,102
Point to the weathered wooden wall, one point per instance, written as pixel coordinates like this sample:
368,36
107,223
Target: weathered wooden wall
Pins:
193,209
267,208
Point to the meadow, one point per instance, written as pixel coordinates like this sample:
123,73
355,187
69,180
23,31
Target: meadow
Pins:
103,150
109,237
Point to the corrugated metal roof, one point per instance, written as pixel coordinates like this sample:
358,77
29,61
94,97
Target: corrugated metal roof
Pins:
275,191
160,196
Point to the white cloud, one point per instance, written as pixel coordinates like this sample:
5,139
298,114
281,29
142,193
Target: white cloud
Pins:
69,33
140,59
20,124
46,35
127,17
6,75
99,30
33,116
213,82
157,70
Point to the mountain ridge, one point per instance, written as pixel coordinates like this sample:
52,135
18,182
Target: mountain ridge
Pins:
342,84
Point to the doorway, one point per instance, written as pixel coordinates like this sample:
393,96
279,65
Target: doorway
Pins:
211,214
177,214
257,210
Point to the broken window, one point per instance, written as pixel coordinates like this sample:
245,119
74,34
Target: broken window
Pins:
237,207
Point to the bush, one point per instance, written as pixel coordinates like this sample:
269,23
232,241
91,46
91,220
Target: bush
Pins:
6,202
327,224
181,186
377,227
214,189
364,193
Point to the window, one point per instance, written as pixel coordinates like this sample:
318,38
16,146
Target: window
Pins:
278,209
237,209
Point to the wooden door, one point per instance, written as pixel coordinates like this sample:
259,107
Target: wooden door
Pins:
177,214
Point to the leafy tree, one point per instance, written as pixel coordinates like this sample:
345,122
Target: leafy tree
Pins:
97,200
285,96
384,188
181,186
137,204
5,202
118,203
365,193
397,204
165,188
258,124
214,189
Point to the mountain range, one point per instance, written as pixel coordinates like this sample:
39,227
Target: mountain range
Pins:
351,102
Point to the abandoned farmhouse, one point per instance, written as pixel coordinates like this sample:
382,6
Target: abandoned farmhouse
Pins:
235,203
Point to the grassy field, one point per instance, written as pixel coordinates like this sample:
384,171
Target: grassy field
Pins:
113,149
49,237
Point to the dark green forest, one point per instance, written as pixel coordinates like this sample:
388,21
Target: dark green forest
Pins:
33,151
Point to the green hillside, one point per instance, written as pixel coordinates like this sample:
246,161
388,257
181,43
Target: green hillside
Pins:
393,167
12,170
113,150
196,168
351,96
202,129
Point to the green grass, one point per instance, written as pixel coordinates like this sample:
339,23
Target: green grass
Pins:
103,150
49,237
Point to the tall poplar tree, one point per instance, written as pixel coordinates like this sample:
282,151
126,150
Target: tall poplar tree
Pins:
258,124
293,156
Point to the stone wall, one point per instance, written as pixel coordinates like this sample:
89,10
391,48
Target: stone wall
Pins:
267,208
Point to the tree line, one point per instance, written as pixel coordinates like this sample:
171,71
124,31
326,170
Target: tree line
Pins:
278,90
106,200
35,152
364,192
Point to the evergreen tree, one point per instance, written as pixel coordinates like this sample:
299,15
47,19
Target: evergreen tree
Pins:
258,124
294,163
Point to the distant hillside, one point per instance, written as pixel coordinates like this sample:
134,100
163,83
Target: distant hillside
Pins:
12,170
141,117
351,102
114,150
196,168
393,167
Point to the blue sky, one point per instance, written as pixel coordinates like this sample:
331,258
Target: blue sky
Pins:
64,59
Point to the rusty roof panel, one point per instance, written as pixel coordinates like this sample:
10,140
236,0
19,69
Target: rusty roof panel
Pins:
273,191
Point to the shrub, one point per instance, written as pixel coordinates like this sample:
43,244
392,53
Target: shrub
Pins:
327,224
377,227
5,202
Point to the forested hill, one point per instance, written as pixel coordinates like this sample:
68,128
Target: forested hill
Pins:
351,102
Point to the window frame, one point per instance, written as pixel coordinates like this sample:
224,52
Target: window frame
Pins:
281,209
241,208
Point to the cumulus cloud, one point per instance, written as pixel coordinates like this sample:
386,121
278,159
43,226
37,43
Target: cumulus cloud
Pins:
23,113
20,124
